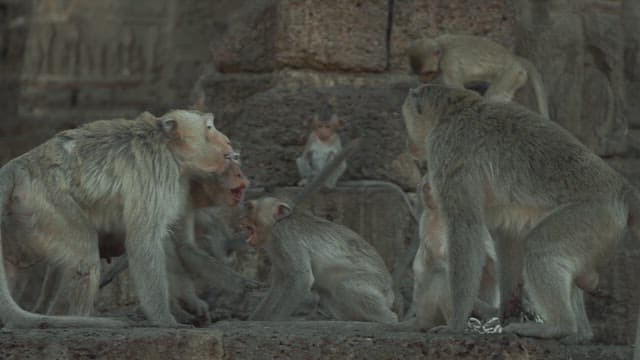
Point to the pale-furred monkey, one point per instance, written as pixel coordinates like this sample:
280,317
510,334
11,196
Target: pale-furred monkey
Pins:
127,177
465,59
495,165
323,144
431,296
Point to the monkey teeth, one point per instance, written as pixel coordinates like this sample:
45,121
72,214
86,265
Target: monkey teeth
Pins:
251,236
237,193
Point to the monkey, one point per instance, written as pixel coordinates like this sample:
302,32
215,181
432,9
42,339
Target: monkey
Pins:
309,253
107,176
322,145
468,59
190,267
431,296
500,165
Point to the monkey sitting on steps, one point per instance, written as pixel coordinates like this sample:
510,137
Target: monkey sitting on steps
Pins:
322,145
310,253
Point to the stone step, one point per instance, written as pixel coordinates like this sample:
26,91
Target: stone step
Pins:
286,340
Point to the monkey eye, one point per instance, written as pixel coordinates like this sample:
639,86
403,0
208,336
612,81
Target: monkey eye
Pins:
232,156
210,124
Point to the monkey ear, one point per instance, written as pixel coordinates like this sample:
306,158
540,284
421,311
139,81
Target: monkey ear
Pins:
208,117
146,116
281,210
169,127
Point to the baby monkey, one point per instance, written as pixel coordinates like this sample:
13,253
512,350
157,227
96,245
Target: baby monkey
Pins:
322,145
309,253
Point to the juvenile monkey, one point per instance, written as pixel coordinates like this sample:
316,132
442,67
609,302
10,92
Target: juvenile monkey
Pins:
322,145
466,59
113,176
499,165
190,267
310,253
431,295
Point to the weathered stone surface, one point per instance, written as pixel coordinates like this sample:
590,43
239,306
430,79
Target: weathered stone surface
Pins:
117,344
324,35
579,52
270,125
412,19
631,25
13,35
286,340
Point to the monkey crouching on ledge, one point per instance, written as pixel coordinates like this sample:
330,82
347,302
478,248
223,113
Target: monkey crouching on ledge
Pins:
308,252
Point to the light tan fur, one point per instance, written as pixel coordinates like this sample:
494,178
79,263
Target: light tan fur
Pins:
463,59
127,177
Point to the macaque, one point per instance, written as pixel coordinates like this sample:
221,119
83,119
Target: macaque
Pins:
501,166
322,145
124,177
308,254
431,296
191,268
467,60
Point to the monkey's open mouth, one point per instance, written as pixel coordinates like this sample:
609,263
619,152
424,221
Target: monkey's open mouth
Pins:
251,236
237,194
427,76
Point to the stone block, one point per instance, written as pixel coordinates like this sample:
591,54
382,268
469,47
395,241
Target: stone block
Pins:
322,35
579,55
116,344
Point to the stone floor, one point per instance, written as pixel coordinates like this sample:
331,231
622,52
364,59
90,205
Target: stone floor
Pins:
285,340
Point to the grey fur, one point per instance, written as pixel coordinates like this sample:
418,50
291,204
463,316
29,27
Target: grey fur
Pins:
309,253
500,166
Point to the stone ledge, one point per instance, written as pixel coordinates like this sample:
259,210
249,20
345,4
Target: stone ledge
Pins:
285,340
133,343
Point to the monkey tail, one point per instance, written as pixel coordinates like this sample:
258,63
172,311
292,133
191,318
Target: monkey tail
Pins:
538,87
11,314
632,198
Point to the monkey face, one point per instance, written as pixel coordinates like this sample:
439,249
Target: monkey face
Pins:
260,216
424,59
198,144
225,189
325,130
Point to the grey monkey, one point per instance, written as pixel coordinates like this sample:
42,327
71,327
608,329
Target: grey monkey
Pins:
501,166
308,254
